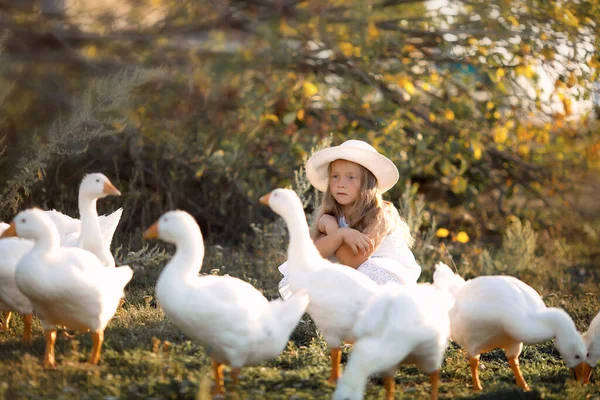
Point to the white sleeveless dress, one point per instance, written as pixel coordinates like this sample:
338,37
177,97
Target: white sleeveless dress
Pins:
392,261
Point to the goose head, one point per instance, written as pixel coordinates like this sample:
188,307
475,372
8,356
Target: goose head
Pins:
571,346
97,186
29,224
172,226
283,201
592,342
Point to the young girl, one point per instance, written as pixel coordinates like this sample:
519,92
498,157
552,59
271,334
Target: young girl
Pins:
354,224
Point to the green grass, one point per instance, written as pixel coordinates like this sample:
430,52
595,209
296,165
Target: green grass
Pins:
136,363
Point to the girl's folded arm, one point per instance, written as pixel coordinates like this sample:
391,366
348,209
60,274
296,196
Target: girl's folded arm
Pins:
346,256
328,244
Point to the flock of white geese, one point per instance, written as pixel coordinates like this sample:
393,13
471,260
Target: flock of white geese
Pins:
62,269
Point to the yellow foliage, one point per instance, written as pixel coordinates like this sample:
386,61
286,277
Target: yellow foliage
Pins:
372,32
462,237
432,117
272,117
442,233
287,30
472,41
477,150
572,79
300,114
500,73
119,126
409,87
425,86
309,89
571,19
91,51
390,127
525,70
458,184
500,134
523,150
543,36
489,105
357,52
347,49
449,114
513,20
568,105
496,114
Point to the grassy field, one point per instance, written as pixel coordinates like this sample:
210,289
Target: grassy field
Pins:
146,357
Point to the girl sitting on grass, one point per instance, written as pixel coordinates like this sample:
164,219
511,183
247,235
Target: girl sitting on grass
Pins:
354,224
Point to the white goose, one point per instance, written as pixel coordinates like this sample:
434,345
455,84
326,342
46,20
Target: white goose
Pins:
399,325
592,342
66,286
11,298
337,292
503,312
91,233
234,322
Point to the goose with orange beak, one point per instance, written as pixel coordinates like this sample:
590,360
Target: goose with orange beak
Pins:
592,342
234,322
92,233
495,311
67,286
337,293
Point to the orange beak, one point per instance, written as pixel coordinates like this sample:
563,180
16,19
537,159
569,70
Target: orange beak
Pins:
152,232
110,189
10,232
582,372
265,199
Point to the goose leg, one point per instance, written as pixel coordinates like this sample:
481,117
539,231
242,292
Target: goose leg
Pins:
97,340
4,327
27,322
474,362
390,385
336,357
49,360
434,380
514,365
219,385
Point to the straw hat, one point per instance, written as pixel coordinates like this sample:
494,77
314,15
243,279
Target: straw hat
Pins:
358,152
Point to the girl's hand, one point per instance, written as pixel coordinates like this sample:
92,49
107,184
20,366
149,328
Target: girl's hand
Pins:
328,224
357,241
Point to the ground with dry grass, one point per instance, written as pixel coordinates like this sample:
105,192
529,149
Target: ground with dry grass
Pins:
145,356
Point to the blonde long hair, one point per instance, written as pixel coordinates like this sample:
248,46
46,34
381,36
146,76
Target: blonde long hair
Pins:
368,208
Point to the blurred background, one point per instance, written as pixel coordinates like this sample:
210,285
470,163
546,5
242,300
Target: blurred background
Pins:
488,108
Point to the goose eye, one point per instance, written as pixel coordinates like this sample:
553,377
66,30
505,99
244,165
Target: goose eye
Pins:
166,220
588,354
577,356
23,220
98,180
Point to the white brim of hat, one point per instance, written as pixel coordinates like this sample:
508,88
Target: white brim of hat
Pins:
317,166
